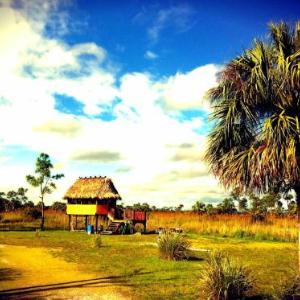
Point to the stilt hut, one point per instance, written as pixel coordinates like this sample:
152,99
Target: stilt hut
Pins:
91,196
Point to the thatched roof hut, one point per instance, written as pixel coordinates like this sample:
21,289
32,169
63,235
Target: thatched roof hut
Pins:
101,188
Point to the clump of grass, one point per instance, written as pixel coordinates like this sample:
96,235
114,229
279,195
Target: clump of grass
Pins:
224,279
37,233
288,289
96,241
173,246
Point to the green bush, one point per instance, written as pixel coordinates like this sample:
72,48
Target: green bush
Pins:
96,241
173,246
224,279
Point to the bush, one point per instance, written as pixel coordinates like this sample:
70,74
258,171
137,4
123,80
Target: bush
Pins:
173,246
139,228
37,233
33,213
288,290
96,241
223,279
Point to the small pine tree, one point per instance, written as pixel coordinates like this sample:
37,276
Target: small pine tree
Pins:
44,180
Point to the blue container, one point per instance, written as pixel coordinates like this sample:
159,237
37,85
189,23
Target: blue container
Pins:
90,229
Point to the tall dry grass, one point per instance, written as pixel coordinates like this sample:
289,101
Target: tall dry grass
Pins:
239,226
18,219
54,219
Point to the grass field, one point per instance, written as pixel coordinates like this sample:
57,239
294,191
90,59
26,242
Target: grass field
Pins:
239,226
234,226
134,259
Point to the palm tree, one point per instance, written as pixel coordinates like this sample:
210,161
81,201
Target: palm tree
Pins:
255,142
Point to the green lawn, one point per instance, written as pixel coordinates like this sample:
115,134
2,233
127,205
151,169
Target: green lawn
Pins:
134,259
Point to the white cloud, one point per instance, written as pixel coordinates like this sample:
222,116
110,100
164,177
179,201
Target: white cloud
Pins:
35,68
179,18
187,91
150,55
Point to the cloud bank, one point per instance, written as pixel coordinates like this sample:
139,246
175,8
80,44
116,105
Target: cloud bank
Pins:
150,150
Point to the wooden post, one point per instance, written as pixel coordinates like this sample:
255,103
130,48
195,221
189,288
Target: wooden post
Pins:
96,224
86,222
70,222
75,222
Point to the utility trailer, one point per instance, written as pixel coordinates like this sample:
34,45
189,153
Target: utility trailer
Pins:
126,225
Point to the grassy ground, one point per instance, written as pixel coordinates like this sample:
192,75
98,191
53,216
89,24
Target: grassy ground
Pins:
135,259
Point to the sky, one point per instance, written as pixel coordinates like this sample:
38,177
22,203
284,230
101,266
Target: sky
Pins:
118,89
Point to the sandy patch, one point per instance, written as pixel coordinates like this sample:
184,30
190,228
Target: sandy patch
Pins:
34,272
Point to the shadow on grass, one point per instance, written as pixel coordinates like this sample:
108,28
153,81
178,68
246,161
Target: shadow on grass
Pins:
260,297
9,274
194,258
32,292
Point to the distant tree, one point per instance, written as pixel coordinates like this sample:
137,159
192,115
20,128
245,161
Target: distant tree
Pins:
4,203
17,198
167,208
153,207
139,206
279,208
227,206
179,207
59,206
43,179
240,199
28,204
242,204
270,200
210,209
257,206
199,207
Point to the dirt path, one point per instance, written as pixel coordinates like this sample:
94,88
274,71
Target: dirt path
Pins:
33,273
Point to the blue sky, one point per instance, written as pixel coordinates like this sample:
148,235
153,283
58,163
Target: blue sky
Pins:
117,88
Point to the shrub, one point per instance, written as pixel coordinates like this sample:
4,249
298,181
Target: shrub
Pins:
37,233
139,228
223,279
173,246
96,241
288,290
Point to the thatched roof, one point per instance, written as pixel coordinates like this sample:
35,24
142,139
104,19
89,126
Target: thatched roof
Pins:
92,188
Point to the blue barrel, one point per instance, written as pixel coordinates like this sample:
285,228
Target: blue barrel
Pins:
90,229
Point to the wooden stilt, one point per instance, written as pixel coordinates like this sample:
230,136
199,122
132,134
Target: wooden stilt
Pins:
75,222
86,222
70,222
96,224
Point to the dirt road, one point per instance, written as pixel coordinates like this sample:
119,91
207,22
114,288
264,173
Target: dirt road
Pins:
34,273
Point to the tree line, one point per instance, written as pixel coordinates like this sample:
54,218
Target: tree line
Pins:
14,200
253,204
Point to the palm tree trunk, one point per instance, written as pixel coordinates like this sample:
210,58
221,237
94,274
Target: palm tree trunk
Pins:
297,192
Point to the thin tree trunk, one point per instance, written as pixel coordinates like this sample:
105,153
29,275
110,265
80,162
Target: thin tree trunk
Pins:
297,192
43,216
